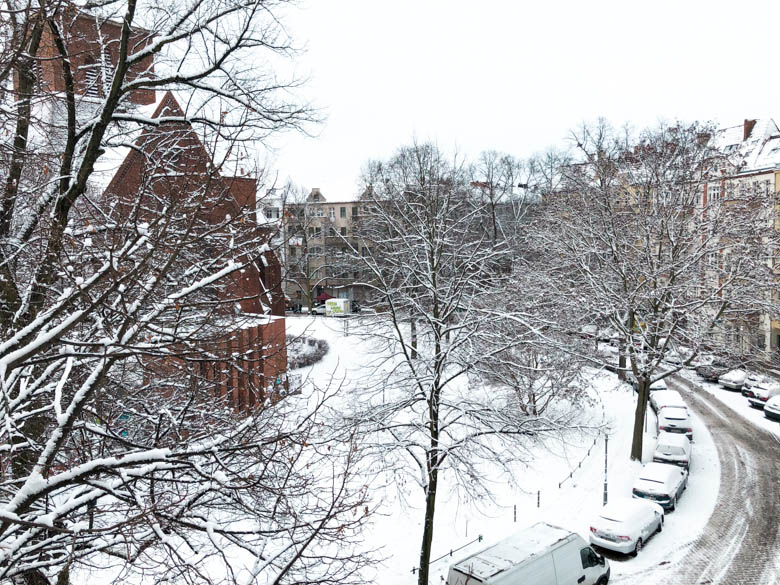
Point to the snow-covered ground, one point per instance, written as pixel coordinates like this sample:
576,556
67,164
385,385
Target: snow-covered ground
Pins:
397,529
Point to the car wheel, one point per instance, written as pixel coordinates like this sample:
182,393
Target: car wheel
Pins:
638,547
603,580
674,507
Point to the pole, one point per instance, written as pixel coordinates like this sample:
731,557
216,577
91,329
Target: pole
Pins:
606,449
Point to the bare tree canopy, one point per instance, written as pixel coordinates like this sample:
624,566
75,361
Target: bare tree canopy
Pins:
637,247
138,320
444,284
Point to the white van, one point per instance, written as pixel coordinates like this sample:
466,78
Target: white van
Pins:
540,555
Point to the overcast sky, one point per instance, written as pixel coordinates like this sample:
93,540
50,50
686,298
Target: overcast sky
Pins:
516,76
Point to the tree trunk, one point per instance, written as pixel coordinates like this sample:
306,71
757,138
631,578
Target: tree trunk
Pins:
430,508
639,419
622,359
414,339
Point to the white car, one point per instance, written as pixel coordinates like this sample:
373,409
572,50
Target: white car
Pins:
654,386
673,448
661,483
772,408
625,525
318,310
760,394
733,380
663,398
674,419
673,357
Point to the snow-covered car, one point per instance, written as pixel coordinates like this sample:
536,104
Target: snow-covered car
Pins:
663,398
674,419
673,448
754,379
657,385
772,408
762,393
733,380
661,483
713,370
674,357
624,525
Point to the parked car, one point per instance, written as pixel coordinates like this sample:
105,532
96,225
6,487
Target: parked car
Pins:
542,554
624,525
674,419
661,483
663,398
674,357
712,371
673,448
772,408
733,380
761,394
754,379
657,385
318,310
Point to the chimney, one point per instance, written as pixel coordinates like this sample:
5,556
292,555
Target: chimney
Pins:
748,128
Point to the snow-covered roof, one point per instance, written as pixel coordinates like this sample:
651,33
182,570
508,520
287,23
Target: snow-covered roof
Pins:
759,150
512,551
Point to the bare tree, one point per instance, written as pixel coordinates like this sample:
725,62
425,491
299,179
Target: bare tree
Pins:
135,437
439,302
636,246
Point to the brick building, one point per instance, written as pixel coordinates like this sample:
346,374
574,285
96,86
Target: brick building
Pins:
170,166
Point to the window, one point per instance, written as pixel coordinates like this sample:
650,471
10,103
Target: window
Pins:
292,253
332,233
320,212
343,212
354,212
589,558
311,212
316,251
364,251
714,192
331,213
315,232
344,232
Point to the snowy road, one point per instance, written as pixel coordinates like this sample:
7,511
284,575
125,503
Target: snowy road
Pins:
741,542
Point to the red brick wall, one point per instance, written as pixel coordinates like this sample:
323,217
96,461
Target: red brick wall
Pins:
82,37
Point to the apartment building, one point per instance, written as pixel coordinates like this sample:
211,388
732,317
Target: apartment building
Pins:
322,249
750,165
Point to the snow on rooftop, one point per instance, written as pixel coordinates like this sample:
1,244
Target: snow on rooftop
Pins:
510,551
760,150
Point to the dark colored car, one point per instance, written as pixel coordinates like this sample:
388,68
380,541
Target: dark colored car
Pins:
712,371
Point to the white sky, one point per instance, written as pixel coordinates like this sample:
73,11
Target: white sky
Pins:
516,76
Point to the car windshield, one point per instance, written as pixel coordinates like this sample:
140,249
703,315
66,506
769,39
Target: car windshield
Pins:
670,450
650,479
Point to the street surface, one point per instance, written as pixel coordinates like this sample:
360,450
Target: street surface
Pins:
740,544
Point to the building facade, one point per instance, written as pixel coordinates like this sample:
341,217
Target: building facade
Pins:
169,166
322,250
